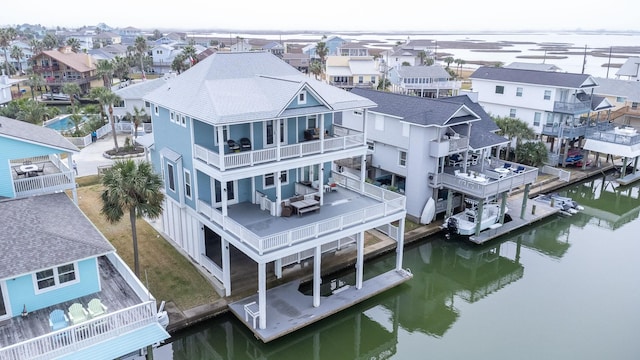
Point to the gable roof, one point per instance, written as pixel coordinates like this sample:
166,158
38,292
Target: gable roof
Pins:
140,89
245,86
532,66
77,61
631,67
16,129
482,132
29,226
431,72
629,89
535,77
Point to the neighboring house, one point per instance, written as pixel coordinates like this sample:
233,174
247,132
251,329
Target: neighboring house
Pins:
85,39
425,81
5,87
408,53
132,96
352,67
332,43
554,104
52,154
630,70
162,56
59,67
116,49
624,95
274,47
24,64
411,141
78,265
246,146
241,45
100,54
107,38
299,61
129,34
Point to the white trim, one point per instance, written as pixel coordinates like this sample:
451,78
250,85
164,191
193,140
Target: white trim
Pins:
302,97
56,279
5,299
186,174
170,167
400,159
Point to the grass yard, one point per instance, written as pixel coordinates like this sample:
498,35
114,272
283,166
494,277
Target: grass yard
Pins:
170,276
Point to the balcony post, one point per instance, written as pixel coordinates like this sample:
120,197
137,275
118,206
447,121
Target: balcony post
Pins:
317,278
321,118
221,156
400,245
359,259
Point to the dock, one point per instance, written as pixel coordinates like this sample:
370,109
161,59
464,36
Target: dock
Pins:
289,310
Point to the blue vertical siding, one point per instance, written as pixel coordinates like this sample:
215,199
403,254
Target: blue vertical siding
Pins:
21,290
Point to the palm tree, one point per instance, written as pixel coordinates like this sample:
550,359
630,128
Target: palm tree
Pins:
321,51
74,44
448,60
134,187
189,53
7,35
422,56
104,69
178,65
50,41
35,81
137,116
76,119
513,129
316,69
37,46
108,98
32,111
120,68
73,90
17,54
460,62
141,51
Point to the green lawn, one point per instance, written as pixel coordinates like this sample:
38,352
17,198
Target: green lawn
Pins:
169,275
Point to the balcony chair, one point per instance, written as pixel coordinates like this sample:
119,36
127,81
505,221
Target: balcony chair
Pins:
41,168
245,144
58,320
77,313
19,172
519,169
96,308
507,165
233,146
287,210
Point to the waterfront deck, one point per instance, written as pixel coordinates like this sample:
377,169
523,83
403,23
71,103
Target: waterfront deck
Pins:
289,310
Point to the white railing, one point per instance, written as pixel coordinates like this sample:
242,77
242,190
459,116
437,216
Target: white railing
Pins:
76,337
43,183
132,280
390,203
248,158
34,159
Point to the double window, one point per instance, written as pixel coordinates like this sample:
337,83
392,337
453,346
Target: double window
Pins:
271,134
55,277
270,179
519,91
402,158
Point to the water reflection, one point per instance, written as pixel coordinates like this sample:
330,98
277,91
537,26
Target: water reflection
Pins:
459,287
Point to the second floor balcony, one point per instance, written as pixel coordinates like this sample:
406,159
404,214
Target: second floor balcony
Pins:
351,204
562,131
574,108
625,135
41,175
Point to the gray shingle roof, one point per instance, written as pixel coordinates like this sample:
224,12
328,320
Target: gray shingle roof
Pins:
417,110
431,72
535,77
631,67
241,87
628,89
17,129
40,232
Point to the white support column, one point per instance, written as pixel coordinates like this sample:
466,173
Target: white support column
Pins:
400,245
277,268
278,193
223,194
317,278
321,119
221,146
359,259
74,191
226,267
262,294
276,137
363,172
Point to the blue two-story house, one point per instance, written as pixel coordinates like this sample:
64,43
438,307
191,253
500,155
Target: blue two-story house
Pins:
246,145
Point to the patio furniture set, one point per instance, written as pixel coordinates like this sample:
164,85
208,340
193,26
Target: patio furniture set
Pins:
77,314
27,169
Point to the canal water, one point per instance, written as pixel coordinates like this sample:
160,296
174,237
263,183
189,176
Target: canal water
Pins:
564,288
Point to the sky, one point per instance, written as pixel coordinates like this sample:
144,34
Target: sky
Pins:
332,15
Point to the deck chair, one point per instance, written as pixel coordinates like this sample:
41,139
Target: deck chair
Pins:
19,172
77,313
58,320
96,308
41,168
233,146
245,144
519,169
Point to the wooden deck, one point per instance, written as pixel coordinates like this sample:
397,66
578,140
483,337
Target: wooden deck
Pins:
116,294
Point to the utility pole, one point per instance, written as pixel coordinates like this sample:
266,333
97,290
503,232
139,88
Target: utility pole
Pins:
584,61
609,62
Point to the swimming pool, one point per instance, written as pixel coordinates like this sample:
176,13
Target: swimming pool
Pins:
62,124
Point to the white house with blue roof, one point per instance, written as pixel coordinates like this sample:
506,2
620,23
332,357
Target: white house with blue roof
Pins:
246,145
54,260
413,141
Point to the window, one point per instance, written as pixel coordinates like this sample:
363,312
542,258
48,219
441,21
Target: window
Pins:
55,277
184,121
620,99
402,158
312,122
536,118
171,183
519,91
360,79
172,116
270,179
512,113
373,79
547,94
147,104
371,145
499,89
187,184
634,105
302,97
156,110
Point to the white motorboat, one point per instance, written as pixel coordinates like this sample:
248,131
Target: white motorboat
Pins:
566,205
464,223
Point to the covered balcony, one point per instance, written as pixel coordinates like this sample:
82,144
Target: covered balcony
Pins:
348,204
622,135
41,175
129,309
573,108
569,132
246,151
